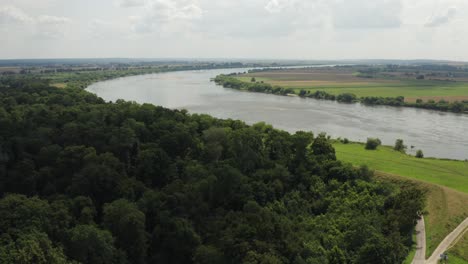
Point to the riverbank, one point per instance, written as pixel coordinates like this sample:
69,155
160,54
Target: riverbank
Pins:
444,172
240,83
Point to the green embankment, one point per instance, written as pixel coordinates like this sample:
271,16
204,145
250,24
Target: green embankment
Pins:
449,173
461,248
446,182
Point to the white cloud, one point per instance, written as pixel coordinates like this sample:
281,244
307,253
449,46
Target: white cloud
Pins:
275,6
361,14
131,3
235,28
13,15
442,19
106,30
162,15
53,20
41,27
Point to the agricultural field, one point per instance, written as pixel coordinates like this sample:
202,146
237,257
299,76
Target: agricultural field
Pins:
446,182
370,81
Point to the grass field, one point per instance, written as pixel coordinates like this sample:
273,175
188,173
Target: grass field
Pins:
449,173
445,180
461,248
59,85
339,81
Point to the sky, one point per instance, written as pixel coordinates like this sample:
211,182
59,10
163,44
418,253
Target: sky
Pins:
256,29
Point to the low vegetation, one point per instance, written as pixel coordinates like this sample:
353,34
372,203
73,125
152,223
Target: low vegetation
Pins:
372,143
82,180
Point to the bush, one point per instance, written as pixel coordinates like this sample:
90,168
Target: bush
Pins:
346,98
345,141
373,143
399,146
419,154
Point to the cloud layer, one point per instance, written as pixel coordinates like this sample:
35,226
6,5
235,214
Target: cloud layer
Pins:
312,29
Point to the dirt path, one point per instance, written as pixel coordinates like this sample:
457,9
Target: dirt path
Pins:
420,256
447,242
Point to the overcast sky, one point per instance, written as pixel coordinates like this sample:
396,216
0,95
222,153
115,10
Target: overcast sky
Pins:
294,29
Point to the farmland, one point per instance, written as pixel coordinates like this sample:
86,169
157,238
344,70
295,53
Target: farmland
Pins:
370,81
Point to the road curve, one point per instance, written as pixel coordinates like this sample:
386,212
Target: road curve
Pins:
447,242
420,256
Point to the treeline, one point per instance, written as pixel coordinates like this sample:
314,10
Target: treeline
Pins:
229,81
84,181
82,79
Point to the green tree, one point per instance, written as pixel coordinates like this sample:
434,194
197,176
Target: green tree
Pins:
419,154
88,244
127,224
32,247
373,143
208,255
400,146
322,147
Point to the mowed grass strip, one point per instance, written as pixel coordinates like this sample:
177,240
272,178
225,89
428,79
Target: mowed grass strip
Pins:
449,173
445,210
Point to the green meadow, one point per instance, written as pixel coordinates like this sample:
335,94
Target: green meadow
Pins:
449,173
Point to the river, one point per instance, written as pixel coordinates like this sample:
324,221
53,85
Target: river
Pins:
438,134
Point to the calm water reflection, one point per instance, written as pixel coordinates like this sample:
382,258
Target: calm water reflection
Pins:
437,134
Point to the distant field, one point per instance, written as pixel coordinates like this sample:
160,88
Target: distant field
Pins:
449,173
59,85
337,81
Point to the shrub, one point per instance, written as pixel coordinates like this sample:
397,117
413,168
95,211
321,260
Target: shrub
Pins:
399,146
346,98
373,143
419,154
345,141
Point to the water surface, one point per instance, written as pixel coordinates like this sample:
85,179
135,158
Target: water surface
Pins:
438,134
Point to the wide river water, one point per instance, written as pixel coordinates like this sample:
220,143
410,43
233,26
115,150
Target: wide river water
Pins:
438,134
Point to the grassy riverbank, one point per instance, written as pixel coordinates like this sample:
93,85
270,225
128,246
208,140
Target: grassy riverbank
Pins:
449,173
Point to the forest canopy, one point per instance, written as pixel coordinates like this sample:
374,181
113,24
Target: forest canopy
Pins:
88,181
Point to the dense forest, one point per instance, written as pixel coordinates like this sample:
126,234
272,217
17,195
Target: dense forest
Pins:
87,181
228,81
